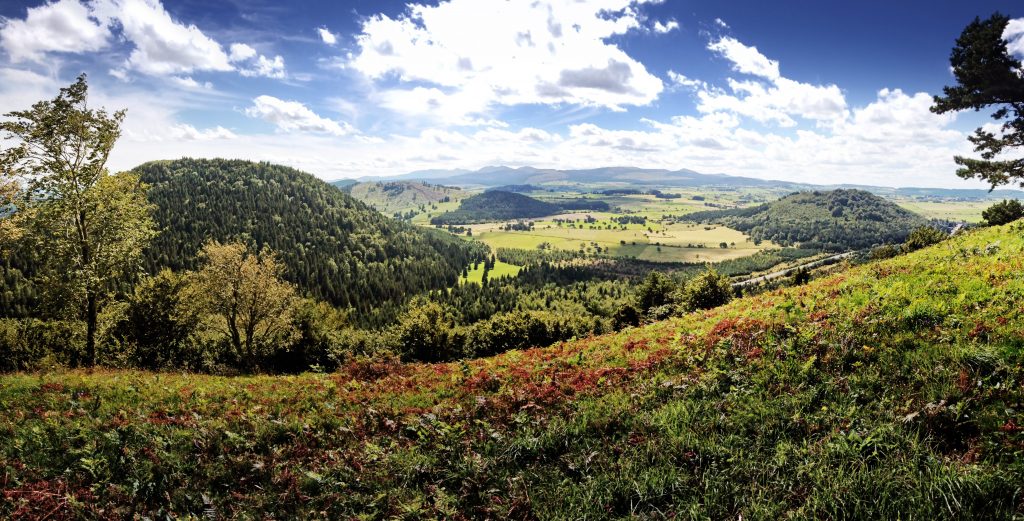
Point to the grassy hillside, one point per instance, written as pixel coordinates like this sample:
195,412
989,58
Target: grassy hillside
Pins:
496,205
891,390
333,246
831,220
404,198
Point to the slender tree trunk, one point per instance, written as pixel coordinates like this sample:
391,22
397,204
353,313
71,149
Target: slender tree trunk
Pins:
90,328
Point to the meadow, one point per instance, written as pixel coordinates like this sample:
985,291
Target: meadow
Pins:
890,390
968,211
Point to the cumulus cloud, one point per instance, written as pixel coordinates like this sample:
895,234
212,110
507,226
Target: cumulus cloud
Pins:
62,26
241,52
667,27
546,52
188,132
265,67
292,116
746,60
160,45
163,46
1014,36
765,95
326,35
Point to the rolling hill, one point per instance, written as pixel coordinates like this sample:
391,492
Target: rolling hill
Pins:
398,198
496,176
832,220
890,390
496,205
333,246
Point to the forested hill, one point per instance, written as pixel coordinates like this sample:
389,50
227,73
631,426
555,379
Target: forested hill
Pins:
831,220
333,246
497,205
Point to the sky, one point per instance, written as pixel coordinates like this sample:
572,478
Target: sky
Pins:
808,91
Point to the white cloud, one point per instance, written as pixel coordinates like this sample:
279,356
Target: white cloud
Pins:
188,83
766,96
746,60
721,23
241,52
667,27
327,36
265,67
188,132
291,116
546,52
162,45
1014,36
62,26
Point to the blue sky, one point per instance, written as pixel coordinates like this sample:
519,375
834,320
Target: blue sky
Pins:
812,91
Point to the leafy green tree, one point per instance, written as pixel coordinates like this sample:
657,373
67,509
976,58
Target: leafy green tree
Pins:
1007,211
924,236
988,76
427,333
705,291
656,290
160,322
245,291
89,227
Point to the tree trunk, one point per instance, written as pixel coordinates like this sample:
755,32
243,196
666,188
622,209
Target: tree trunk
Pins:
90,328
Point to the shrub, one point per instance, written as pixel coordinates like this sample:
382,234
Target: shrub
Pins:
924,236
656,290
885,251
1004,212
705,291
30,344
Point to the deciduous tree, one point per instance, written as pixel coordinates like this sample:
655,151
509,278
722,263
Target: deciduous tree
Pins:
89,226
245,292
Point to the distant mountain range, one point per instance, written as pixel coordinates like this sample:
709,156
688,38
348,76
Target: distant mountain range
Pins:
492,176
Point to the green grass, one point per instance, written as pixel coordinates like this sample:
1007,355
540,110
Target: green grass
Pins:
892,390
677,242
500,270
969,211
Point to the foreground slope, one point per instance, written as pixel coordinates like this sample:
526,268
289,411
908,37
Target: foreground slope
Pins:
333,246
891,390
836,220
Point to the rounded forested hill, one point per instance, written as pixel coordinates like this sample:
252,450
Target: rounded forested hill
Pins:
833,220
334,247
497,205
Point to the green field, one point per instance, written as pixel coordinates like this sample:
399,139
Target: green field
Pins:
969,211
500,270
654,241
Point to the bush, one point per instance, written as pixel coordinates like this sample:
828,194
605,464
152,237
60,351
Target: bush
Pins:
885,251
656,290
924,236
705,291
31,344
160,324
427,333
1004,212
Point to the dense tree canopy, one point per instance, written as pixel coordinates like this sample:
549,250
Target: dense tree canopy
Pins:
833,220
332,247
496,205
988,77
